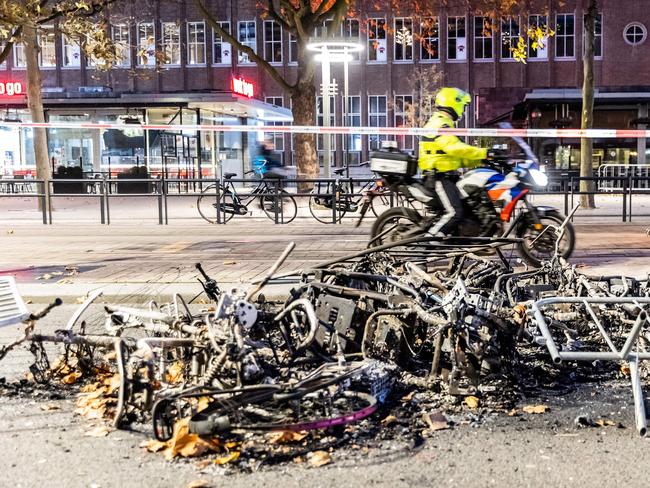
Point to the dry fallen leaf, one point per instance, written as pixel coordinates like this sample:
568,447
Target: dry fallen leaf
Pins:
471,402
625,369
45,276
199,484
513,412
229,263
10,231
228,458
100,431
50,406
285,436
389,420
435,420
64,281
153,445
71,378
319,458
408,397
536,409
605,422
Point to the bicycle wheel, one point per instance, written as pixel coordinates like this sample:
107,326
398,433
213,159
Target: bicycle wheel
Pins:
321,204
207,204
287,207
380,203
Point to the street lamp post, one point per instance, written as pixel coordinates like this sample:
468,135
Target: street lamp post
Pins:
330,50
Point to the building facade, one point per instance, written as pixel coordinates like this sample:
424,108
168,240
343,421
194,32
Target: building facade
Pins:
174,69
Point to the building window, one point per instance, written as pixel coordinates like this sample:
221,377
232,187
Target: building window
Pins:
376,118
146,44
3,44
430,39
509,36
122,40
598,36
350,30
221,50
272,41
71,52
456,39
635,33
276,137
247,36
403,40
293,49
352,142
403,104
538,48
482,38
171,43
196,43
565,36
47,53
320,121
377,40
20,61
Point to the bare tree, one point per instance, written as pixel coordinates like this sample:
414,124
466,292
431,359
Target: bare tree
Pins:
587,118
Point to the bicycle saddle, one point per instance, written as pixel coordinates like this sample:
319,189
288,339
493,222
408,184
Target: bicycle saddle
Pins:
227,176
338,171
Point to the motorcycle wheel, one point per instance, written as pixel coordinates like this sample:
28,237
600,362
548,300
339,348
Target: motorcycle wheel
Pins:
535,248
393,225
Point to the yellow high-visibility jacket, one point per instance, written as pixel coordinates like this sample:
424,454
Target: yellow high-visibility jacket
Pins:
447,152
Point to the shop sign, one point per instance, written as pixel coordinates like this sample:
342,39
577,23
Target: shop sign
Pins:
242,87
11,88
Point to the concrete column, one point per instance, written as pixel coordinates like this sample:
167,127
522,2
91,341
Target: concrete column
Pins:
641,142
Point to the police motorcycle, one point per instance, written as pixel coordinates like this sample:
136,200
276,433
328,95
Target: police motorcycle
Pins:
495,197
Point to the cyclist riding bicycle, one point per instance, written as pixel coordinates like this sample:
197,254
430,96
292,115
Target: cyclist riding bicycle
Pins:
267,163
441,156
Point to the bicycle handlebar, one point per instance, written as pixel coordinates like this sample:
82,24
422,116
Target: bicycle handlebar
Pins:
43,312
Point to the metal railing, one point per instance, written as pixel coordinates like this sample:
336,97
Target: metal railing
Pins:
105,190
609,175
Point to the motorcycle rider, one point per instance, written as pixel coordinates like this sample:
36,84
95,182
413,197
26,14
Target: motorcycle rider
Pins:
441,156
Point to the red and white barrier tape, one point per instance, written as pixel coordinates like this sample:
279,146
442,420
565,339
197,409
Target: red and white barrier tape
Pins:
306,129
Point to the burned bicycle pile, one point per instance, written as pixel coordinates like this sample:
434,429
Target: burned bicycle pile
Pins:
428,315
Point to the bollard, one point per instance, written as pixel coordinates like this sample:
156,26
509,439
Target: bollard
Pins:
217,194
106,190
160,202
102,196
333,189
48,196
43,199
164,193
276,185
625,200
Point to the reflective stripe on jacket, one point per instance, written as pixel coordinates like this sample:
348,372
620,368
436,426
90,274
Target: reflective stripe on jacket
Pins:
447,152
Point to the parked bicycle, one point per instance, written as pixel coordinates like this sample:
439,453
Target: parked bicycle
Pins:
330,201
220,202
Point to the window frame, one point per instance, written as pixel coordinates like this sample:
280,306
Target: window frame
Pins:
320,120
406,48
165,45
535,58
376,29
241,55
65,43
435,59
456,37
272,42
16,47
644,32
218,40
350,120
483,39
140,45
47,30
402,113
510,38
276,136
195,43
564,37
122,64
377,138
293,40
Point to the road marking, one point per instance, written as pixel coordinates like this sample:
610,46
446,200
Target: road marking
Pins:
174,247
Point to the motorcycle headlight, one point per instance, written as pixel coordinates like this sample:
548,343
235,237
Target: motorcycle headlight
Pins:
539,178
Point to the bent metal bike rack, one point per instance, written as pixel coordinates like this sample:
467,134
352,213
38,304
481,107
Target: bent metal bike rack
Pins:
626,353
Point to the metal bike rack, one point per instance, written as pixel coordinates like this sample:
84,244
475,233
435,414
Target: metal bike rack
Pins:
626,353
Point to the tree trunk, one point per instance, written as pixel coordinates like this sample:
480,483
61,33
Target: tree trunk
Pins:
35,104
587,119
303,107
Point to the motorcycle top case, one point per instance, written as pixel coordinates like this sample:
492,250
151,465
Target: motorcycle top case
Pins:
393,163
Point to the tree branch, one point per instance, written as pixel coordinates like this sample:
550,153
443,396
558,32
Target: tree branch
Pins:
277,17
9,46
277,77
